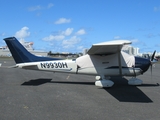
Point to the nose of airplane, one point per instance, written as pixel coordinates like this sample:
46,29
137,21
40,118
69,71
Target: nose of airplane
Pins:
142,63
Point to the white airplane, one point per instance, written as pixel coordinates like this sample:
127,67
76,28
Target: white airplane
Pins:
103,61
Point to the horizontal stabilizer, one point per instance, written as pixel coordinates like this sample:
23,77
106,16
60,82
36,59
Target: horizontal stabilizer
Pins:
14,66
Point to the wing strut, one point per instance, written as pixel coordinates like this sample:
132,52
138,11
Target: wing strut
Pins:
119,60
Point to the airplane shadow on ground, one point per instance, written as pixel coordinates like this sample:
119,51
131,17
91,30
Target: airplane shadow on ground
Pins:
36,82
127,93
40,81
121,90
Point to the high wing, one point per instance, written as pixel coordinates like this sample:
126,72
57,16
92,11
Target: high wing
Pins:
107,48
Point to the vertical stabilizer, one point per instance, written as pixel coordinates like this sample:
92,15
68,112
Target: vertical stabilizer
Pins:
20,54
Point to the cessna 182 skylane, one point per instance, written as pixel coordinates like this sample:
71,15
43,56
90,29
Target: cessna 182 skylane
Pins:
103,60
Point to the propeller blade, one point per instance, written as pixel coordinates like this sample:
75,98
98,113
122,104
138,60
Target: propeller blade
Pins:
152,62
151,69
153,55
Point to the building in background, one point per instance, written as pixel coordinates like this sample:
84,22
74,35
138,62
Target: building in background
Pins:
135,51
131,50
85,51
4,51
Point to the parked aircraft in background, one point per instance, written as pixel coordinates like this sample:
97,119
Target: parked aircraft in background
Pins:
103,60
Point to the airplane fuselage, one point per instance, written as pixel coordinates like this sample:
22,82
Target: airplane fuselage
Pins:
71,66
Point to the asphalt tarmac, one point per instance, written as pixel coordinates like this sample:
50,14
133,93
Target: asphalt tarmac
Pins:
39,95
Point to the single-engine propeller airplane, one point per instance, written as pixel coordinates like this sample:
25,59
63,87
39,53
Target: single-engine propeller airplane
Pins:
103,60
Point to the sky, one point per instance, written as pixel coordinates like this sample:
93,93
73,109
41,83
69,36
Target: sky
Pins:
73,25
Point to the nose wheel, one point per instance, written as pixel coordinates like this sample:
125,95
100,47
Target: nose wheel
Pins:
134,80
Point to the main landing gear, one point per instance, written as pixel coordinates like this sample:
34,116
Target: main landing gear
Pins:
134,80
103,82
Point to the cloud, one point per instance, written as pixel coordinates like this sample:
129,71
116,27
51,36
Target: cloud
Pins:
64,40
3,34
71,42
34,8
81,32
38,14
80,48
117,37
157,45
22,33
135,41
54,37
39,7
68,31
150,35
50,5
62,21
59,35
138,42
156,9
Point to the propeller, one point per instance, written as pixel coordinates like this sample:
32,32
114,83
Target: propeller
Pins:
152,60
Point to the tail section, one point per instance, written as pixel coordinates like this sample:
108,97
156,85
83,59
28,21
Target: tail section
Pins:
20,54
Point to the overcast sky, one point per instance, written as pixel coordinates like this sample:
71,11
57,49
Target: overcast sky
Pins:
72,25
